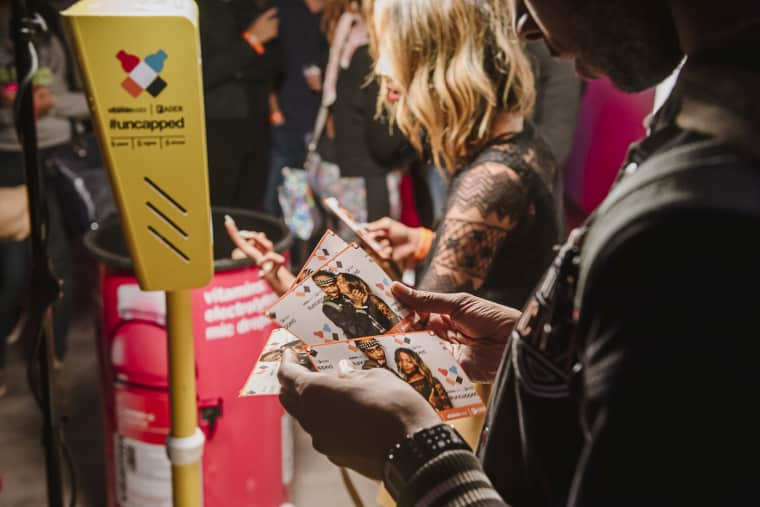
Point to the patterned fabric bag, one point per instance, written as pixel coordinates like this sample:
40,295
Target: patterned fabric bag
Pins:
297,202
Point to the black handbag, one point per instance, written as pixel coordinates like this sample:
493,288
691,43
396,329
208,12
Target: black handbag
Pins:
80,181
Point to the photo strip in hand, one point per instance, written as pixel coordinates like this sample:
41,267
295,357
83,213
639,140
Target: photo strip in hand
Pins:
348,297
419,358
263,377
330,245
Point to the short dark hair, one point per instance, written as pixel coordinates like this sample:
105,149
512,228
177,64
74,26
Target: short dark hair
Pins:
323,272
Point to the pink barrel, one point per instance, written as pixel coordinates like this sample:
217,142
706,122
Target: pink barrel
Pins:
245,461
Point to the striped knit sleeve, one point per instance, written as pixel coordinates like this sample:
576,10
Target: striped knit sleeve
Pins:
452,479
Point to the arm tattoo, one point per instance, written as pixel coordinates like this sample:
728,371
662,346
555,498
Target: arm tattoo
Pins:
490,190
462,256
486,203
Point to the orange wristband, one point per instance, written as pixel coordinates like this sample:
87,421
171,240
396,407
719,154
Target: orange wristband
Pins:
254,42
276,118
423,248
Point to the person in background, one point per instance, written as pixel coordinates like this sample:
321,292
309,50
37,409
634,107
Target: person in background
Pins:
356,144
500,227
240,63
295,101
500,223
555,116
55,106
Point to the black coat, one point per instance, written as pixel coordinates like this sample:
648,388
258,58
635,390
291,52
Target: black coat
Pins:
236,80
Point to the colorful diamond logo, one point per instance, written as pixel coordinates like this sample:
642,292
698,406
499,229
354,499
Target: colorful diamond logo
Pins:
143,75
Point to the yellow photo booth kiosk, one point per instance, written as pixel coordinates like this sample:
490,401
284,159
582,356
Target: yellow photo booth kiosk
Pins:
140,61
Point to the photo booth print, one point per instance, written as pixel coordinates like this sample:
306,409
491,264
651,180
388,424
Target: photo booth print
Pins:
315,317
143,75
463,398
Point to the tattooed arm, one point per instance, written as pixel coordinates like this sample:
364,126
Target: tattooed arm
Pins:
485,205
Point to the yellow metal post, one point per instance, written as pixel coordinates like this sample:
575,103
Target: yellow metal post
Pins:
186,484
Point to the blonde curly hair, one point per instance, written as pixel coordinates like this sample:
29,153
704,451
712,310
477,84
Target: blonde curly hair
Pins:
459,65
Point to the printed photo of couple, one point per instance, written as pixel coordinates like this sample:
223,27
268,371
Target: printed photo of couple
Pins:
409,367
420,358
347,297
351,305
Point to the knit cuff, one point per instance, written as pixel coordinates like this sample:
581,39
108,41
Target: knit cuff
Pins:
453,479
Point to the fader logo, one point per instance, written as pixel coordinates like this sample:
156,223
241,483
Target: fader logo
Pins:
142,75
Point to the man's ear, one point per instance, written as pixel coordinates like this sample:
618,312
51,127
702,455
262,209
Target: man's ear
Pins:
524,25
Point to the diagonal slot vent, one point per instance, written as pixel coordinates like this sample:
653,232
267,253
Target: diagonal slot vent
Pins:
168,243
166,219
165,195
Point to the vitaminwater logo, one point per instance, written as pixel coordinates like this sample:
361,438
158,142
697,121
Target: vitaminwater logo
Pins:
143,75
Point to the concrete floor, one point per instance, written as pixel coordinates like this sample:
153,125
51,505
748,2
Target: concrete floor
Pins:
316,482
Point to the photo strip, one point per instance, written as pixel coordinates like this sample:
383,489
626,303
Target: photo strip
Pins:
263,378
328,247
420,358
348,297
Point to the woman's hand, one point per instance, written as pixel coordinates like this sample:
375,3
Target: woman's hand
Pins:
478,330
399,241
358,298
257,247
265,27
435,400
438,397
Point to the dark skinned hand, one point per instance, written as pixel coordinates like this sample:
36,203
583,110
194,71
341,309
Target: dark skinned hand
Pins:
477,329
356,416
